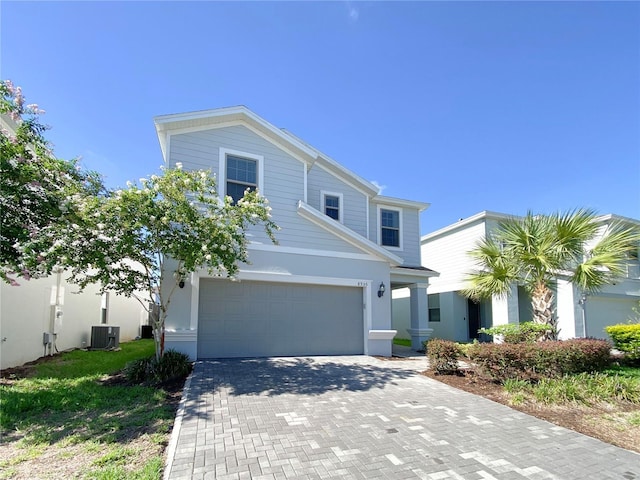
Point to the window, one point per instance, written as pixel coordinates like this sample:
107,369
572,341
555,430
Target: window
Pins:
332,205
389,228
241,175
238,171
434,307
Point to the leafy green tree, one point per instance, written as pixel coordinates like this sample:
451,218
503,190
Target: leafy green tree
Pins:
36,189
537,249
147,238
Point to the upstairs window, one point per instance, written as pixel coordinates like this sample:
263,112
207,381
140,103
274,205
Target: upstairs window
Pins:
332,205
241,175
389,228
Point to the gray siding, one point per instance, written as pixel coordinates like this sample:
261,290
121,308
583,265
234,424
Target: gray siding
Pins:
410,252
354,209
283,182
411,237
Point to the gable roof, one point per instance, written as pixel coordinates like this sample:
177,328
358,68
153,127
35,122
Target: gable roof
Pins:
219,117
488,215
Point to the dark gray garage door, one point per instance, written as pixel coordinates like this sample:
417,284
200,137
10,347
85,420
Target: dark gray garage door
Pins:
258,319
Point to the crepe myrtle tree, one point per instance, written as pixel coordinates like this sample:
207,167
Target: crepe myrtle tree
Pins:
144,239
535,250
36,189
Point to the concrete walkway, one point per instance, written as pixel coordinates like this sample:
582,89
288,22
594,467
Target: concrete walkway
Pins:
364,418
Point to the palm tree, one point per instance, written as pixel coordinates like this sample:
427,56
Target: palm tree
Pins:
535,250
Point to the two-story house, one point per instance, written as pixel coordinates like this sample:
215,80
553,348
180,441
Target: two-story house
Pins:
456,318
325,288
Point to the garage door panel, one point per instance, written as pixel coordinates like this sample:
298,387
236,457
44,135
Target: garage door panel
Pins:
266,319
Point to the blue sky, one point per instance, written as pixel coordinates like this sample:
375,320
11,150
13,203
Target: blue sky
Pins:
469,106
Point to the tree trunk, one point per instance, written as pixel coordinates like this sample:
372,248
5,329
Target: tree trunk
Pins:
158,335
542,302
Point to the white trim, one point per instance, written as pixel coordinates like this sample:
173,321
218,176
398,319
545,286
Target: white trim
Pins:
484,215
324,194
281,277
235,123
337,175
400,224
382,334
168,147
181,335
222,166
195,298
243,115
305,175
368,222
346,234
399,202
265,247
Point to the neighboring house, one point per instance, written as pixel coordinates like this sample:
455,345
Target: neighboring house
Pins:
43,316
456,318
325,289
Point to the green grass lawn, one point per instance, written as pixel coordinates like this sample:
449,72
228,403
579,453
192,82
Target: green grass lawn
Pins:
405,342
67,411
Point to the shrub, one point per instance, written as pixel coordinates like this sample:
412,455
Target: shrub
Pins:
443,356
626,338
172,365
533,361
519,333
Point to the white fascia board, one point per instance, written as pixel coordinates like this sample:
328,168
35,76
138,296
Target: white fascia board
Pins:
219,117
346,234
331,166
399,202
484,215
408,273
347,175
612,217
348,179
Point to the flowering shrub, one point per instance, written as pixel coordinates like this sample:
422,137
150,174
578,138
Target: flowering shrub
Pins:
533,361
36,189
150,236
443,356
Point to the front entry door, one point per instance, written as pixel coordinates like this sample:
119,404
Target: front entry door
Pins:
473,310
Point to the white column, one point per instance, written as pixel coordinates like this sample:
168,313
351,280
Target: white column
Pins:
569,311
419,306
505,309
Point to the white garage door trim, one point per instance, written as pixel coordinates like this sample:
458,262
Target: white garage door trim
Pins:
366,286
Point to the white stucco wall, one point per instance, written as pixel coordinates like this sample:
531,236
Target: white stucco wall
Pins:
27,311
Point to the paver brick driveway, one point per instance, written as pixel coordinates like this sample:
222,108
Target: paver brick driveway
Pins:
361,417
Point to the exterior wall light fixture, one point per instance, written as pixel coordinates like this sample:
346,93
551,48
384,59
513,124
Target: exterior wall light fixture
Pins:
381,290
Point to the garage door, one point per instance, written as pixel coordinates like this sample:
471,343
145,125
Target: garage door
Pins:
260,319
603,311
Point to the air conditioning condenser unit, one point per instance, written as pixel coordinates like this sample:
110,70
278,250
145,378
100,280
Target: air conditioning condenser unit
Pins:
105,337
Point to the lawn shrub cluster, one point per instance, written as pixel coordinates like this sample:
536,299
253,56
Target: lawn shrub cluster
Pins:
533,361
526,332
443,356
626,338
149,371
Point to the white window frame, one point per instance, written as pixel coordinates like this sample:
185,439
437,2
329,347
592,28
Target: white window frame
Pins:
222,169
379,229
323,195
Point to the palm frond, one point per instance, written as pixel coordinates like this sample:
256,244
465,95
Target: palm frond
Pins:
607,259
494,274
